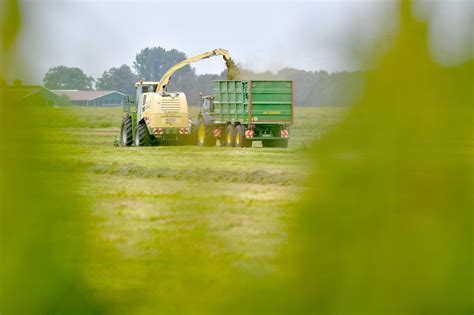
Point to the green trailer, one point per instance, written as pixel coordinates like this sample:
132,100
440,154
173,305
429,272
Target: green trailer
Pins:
240,112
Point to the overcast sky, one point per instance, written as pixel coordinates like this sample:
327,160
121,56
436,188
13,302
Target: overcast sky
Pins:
268,35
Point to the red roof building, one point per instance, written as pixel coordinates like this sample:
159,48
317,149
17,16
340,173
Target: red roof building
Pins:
93,98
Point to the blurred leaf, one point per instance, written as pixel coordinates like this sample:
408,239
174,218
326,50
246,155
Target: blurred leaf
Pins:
40,214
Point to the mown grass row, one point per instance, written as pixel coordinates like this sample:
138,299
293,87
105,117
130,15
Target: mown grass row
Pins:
282,178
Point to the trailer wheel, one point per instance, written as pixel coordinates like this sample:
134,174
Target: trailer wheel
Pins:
142,136
240,140
126,133
230,136
205,135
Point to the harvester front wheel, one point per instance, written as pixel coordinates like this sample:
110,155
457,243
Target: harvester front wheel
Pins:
205,135
142,136
126,133
240,140
230,136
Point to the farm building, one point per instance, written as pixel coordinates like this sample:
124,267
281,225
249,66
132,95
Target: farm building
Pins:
93,98
31,94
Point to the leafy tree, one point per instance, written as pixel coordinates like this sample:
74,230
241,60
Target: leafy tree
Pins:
66,78
311,88
118,79
316,88
152,63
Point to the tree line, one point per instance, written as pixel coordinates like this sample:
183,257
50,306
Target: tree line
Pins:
318,88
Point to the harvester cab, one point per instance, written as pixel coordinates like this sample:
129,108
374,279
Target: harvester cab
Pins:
142,88
145,87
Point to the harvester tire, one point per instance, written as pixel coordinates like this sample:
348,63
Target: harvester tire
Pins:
240,140
205,135
142,136
126,132
230,136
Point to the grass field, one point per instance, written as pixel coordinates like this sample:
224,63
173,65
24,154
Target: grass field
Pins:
147,203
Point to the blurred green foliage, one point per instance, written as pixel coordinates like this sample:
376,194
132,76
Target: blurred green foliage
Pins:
387,225
40,213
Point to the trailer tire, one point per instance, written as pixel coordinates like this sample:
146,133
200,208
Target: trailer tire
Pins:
142,136
126,132
240,140
230,136
205,136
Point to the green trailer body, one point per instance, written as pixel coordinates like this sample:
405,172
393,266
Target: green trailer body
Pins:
257,102
243,111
